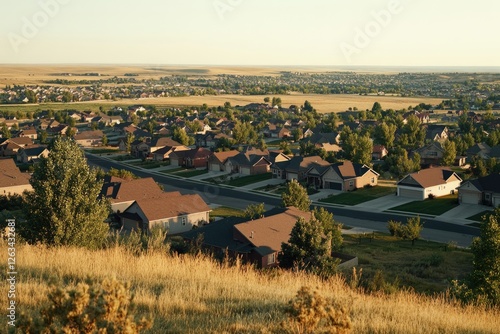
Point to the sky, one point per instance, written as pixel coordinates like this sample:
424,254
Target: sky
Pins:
251,32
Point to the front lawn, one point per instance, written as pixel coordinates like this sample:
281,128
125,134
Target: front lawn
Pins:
246,180
360,195
193,172
479,216
224,212
434,207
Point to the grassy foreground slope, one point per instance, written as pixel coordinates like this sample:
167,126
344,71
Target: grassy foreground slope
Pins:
187,294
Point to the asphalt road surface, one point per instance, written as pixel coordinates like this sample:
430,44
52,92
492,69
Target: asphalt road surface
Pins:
434,230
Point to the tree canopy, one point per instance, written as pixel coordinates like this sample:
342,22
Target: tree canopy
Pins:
64,207
296,195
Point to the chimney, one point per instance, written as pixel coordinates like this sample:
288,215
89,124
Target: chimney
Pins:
251,235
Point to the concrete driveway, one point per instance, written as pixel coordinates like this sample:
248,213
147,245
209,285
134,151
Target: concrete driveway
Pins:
384,203
324,193
463,211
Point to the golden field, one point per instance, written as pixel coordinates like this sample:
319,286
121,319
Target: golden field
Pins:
187,294
322,103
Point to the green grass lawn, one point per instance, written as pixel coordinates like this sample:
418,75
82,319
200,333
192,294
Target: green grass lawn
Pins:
193,172
245,180
123,157
479,216
149,164
224,211
426,266
360,195
435,207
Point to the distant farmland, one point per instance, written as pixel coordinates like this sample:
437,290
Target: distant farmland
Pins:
322,103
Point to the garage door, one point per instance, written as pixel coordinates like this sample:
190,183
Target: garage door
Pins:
215,167
411,193
469,198
245,170
334,185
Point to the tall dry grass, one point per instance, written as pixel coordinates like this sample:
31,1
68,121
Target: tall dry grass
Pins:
187,294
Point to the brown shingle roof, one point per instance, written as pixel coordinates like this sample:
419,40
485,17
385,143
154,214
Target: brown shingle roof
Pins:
96,134
168,205
432,177
222,156
10,175
268,233
119,190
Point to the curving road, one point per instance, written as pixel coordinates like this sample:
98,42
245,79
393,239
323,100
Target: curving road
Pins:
219,194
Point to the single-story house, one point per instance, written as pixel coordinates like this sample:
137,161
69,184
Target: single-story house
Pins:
32,154
247,163
297,167
30,133
484,190
216,162
258,241
12,180
158,143
193,158
344,176
176,213
432,181
164,152
89,138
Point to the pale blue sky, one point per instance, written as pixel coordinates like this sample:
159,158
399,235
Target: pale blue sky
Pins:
251,32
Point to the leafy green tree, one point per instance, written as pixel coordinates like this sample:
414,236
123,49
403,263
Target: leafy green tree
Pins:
329,226
376,107
5,131
296,195
297,134
43,137
285,147
308,106
182,137
309,248
485,278
128,141
64,207
254,211
104,140
450,153
409,231
244,133
385,134
122,174
267,99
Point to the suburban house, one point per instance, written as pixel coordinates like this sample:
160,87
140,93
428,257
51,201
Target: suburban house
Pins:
217,161
30,133
158,143
138,148
32,154
173,212
249,161
344,176
164,152
437,133
432,181
193,158
431,154
484,190
257,241
210,139
379,152
12,181
297,167
483,151
89,138
9,147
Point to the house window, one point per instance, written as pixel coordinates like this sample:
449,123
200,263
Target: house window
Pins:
487,197
351,183
433,154
373,180
184,220
271,259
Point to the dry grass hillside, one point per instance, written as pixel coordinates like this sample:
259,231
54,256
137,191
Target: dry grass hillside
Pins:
187,294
